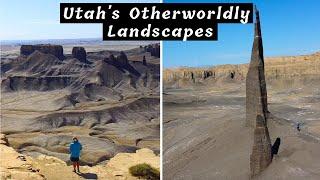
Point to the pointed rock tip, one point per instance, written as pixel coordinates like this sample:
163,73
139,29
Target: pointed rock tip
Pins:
257,31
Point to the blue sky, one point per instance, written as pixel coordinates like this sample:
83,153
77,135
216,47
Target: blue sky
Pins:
289,27
39,19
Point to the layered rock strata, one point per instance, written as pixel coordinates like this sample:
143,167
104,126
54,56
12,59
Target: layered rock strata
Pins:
55,50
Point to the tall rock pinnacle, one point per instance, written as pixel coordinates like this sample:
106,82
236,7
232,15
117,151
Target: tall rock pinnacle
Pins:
256,91
256,106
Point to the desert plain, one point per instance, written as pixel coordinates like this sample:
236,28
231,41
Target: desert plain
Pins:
205,132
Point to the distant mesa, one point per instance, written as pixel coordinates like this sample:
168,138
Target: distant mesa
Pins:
154,50
80,54
56,50
39,68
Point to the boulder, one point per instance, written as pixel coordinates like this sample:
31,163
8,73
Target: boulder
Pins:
56,50
80,54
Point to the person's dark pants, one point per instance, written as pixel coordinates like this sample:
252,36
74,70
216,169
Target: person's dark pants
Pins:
75,161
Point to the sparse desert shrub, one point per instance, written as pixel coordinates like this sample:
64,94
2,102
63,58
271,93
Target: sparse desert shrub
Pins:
144,171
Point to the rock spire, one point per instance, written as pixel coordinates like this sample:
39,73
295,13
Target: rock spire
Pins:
256,106
256,91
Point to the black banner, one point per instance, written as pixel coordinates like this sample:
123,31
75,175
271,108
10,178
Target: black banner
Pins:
157,21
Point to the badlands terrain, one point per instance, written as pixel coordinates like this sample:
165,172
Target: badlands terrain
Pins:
109,99
205,133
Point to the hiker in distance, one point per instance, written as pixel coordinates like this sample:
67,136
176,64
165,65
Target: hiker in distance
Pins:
75,149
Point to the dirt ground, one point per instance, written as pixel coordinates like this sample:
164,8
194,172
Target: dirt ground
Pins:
205,136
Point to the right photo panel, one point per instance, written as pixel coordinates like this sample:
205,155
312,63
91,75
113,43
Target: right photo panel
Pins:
248,105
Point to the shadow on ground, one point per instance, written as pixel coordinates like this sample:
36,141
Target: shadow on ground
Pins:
88,175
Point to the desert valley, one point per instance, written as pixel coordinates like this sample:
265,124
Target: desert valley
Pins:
205,133
107,97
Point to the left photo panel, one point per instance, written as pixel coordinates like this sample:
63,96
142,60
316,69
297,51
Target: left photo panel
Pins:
72,105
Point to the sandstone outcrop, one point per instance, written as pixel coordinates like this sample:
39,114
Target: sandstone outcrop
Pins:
261,155
256,90
55,50
3,139
14,165
80,54
120,164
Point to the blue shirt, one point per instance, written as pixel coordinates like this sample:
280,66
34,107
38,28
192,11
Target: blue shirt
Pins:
75,148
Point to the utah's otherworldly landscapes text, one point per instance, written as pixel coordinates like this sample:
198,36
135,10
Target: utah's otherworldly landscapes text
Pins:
150,21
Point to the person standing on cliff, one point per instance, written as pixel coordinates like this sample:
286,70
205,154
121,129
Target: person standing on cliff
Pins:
75,149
